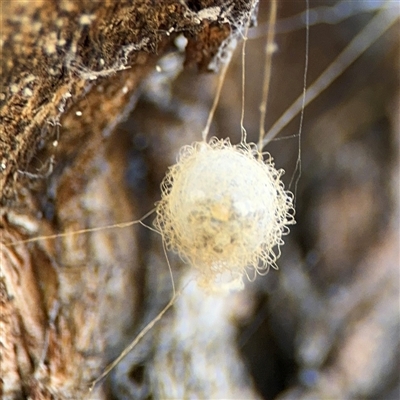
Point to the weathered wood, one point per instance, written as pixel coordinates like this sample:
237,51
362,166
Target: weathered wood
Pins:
326,324
70,74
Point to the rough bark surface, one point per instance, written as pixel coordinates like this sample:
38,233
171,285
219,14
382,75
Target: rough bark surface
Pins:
70,72
95,104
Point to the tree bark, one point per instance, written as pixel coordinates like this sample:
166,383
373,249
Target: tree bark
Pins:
96,99
70,73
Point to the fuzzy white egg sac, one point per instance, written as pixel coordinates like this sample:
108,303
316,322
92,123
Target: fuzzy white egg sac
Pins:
224,209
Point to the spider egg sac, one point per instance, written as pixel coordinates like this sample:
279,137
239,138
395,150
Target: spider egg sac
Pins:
224,210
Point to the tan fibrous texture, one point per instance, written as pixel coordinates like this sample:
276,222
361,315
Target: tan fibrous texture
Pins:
52,53
69,72
325,325
224,210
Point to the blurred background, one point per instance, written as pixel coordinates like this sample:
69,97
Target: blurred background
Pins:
326,324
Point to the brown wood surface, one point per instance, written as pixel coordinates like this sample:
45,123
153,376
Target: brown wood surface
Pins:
109,84
71,71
